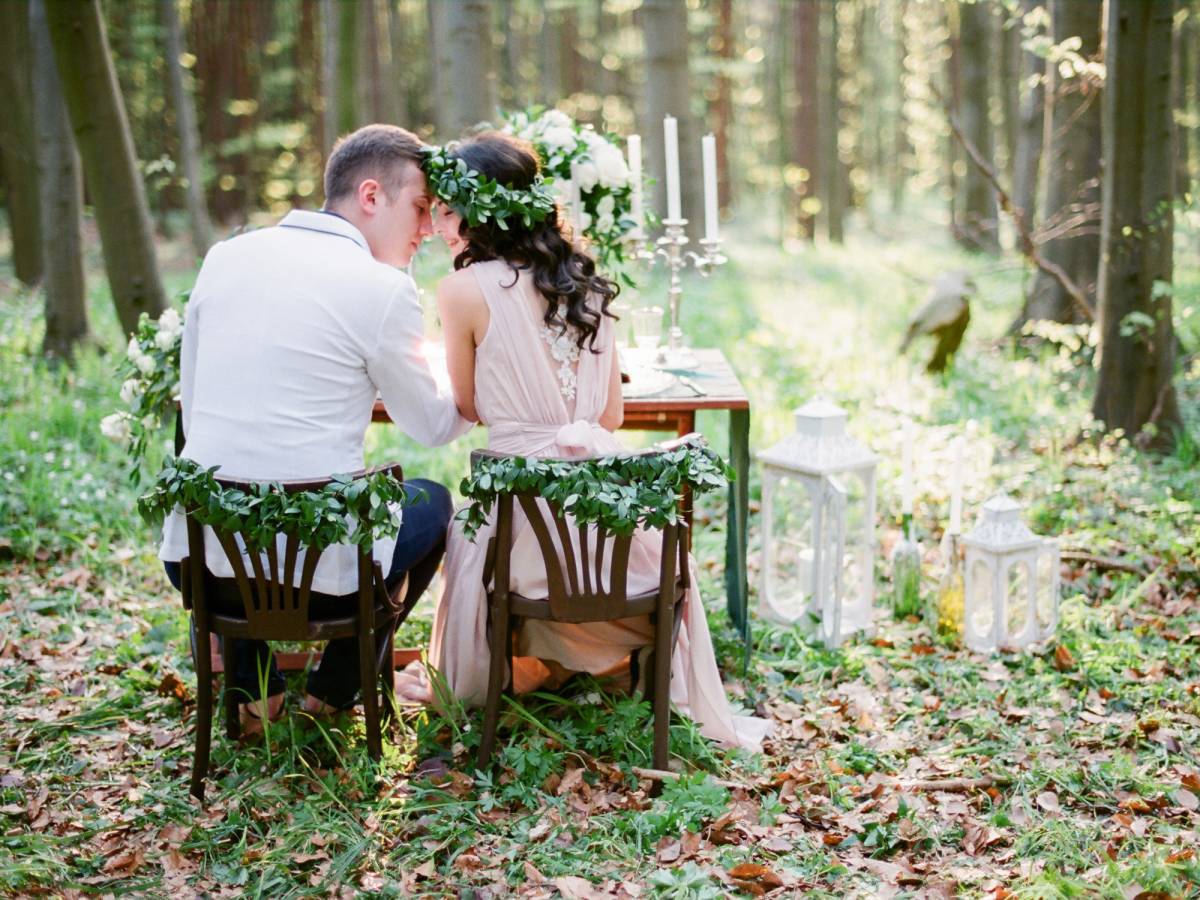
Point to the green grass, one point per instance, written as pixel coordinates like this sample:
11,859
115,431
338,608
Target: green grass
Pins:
97,691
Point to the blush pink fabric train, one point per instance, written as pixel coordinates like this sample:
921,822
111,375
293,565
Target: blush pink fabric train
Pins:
519,396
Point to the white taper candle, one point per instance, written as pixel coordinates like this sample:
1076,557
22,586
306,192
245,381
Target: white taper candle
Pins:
956,487
635,180
906,470
708,145
671,148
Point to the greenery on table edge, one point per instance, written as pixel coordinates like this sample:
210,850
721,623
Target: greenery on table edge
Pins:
618,493
348,510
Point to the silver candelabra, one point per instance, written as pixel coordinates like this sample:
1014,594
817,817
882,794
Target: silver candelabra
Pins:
669,248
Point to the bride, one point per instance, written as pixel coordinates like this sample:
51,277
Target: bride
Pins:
531,355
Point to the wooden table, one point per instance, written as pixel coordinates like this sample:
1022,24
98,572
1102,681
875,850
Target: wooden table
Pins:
674,410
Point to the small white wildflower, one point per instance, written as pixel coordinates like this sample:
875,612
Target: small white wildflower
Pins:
34,435
49,456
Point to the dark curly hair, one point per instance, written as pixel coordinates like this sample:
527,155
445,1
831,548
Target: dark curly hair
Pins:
561,272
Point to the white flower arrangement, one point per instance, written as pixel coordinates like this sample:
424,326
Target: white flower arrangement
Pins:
605,187
150,385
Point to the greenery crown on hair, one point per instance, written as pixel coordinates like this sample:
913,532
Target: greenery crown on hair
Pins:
478,198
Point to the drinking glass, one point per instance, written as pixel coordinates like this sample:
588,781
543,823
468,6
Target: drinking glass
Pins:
647,327
622,311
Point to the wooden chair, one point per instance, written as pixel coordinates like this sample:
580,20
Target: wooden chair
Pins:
279,611
576,574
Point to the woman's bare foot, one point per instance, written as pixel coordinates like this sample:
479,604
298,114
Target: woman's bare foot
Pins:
316,707
412,686
251,714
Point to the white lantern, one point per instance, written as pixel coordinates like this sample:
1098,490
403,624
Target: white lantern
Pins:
818,525
1011,588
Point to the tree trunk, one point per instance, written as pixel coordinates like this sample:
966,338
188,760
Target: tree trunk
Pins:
330,41
1072,142
18,149
806,118
901,147
667,92
979,214
1008,42
464,60
1030,128
551,59
101,129
397,74
832,180
350,115
1137,341
61,187
723,103
370,82
189,137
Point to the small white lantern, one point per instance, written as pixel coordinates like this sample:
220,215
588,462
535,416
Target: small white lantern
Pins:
1012,578
818,537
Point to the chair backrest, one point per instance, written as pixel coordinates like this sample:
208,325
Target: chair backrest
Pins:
587,566
275,600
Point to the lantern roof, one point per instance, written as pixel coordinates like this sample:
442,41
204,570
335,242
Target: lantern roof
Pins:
820,444
1000,529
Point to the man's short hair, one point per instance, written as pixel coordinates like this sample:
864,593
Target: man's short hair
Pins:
374,151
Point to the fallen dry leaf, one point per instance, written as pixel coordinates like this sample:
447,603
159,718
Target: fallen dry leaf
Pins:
1048,800
1064,660
572,887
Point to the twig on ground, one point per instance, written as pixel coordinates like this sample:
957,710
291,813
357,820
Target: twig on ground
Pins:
664,775
1102,562
954,785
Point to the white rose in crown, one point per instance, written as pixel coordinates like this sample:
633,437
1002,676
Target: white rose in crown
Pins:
586,176
116,427
131,389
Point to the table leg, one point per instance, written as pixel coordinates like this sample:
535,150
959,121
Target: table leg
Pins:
736,535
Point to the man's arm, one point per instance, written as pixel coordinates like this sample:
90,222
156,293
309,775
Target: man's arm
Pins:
399,369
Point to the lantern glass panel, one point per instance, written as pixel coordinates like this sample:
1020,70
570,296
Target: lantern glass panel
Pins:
1046,592
982,612
1017,601
856,559
792,573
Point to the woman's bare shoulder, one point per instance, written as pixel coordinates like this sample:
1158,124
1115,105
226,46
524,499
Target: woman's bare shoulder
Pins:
460,288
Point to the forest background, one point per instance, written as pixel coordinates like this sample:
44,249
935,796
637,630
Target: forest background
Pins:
1050,151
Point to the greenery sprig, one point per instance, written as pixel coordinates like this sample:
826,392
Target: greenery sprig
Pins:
619,493
478,198
348,510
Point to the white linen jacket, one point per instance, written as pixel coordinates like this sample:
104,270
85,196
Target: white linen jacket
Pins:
291,332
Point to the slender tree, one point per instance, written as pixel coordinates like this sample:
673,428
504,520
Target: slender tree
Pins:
833,188
668,93
465,51
189,135
97,114
18,148
979,224
330,42
61,187
1030,127
1135,386
350,114
723,101
806,117
1068,219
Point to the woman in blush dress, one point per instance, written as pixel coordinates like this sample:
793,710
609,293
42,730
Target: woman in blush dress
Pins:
531,354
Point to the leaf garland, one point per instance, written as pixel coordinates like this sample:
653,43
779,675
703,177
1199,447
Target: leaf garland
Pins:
478,198
348,510
618,493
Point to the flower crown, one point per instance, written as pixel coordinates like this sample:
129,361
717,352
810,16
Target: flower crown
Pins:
478,198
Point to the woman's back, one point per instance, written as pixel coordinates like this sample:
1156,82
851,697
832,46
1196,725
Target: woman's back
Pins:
533,381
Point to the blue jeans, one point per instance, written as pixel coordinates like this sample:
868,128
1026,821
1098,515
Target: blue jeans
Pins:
420,545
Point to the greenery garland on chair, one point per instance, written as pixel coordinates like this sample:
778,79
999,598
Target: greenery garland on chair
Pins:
618,493
348,510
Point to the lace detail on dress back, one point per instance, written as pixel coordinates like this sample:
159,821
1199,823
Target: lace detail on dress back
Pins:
565,352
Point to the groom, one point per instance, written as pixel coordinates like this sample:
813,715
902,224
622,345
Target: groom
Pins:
291,332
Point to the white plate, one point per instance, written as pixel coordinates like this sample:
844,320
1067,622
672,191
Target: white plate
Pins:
645,382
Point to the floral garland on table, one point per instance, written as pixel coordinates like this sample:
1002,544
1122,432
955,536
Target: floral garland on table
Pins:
478,198
618,493
605,186
150,384
359,510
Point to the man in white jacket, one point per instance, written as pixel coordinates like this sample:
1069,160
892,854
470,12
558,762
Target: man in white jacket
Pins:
291,333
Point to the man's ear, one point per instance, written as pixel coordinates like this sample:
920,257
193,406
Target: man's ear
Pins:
368,195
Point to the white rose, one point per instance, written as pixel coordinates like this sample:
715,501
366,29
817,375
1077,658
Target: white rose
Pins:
555,118
558,138
130,391
165,340
134,350
145,364
586,175
605,207
585,221
116,427
170,322
610,166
